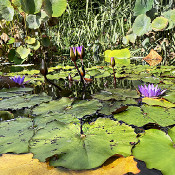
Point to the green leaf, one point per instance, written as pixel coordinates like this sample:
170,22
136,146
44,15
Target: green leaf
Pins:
6,115
142,25
23,52
170,15
35,46
121,56
76,151
30,40
33,21
84,107
157,151
55,8
6,10
27,101
141,6
53,106
15,135
170,97
159,23
32,6
158,102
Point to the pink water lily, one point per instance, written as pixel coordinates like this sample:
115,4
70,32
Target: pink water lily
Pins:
150,90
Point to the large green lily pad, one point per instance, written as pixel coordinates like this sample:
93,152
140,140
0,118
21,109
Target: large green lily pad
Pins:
15,135
72,150
158,102
84,107
53,106
170,97
20,102
156,149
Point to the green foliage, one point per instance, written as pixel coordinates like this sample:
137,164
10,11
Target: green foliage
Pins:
82,151
159,23
157,150
142,25
15,135
6,10
141,6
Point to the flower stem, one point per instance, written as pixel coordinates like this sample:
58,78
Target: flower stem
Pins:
114,78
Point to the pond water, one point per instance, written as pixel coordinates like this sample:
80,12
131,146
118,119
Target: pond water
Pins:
94,121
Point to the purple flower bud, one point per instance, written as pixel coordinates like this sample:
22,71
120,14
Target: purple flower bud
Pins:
81,51
112,61
73,53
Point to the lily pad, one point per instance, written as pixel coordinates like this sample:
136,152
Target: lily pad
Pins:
156,149
23,52
53,106
20,102
42,120
170,97
133,116
158,102
84,108
15,135
76,151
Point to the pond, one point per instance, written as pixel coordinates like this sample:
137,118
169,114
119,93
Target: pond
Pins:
80,128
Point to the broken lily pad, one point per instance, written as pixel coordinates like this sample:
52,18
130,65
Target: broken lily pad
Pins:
161,150
72,150
15,135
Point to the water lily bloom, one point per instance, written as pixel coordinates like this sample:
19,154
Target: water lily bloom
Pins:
19,80
73,53
81,51
112,61
150,90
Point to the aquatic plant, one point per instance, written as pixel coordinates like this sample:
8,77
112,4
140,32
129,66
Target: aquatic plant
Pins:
150,90
113,64
74,56
19,80
81,52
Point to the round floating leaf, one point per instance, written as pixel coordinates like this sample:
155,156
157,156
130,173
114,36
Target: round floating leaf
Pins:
141,7
35,46
159,23
6,115
20,102
42,120
55,8
133,116
53,106
142,25
121,56
15,135
100,141
33,21
23,52
170,97
157,151
158,102
84,108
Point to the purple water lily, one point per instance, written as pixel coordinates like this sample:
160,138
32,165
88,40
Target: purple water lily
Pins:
81,51
19,80
73,53
150,90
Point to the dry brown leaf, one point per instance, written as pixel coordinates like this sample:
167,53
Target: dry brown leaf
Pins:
153,58
4,37
23,164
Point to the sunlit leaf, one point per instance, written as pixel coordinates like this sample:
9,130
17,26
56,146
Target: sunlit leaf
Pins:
15,135
23,52
156,149
82,151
